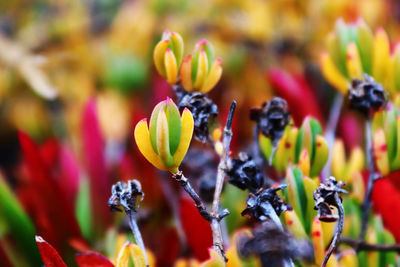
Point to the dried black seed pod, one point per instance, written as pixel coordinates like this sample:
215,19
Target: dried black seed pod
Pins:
259,204
367,94
273,245
125,195
200,165
244,173
271,118
324,197
204,110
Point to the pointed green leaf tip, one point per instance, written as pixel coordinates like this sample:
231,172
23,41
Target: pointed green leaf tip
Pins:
172,132
174,125
153,124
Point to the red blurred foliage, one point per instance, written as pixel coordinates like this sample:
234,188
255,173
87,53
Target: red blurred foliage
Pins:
351,130
5,261
93,149
44,198
92,259
386,202
297,92
169,246
49,255
197,229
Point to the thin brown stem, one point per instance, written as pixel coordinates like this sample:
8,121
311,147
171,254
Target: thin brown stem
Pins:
331,132
361,245
216,215
136,234
366,206
183,181
338,230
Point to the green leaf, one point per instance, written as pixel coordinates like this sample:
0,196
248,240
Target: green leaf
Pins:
344,38
83,208
153,124
234,200
365,42
18,224
390,130
298,178
315,129
389,257
174,126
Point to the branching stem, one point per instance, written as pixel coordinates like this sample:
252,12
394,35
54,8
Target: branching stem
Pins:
338,230
183,181
361,245
136,233
216,215
331,131
366,206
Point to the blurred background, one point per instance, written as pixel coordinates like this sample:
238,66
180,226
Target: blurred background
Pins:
76,76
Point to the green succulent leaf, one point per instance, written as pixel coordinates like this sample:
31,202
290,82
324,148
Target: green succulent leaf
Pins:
174,126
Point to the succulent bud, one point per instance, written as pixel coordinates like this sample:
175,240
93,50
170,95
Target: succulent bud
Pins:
168,55
165,141
200,71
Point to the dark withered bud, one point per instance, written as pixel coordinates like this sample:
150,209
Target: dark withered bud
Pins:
200,165
125,195
244,173
261,204
273,245
366,94
324,197
203,109
271,118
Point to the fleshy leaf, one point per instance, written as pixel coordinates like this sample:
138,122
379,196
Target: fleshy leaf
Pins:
186,73
49,255
365,41
174,125
83,208
158,56
142,139
171,66
153,124
213,77
17,222
317,240
380,60
91,259
163,139
202,69
332,74
186,136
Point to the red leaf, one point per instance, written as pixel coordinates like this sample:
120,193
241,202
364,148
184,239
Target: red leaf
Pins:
92,259
386,202
197,229
297,93
4,259
44,199
49,255
169,246
93,147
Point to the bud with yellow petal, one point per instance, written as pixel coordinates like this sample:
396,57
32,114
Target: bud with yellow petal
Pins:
165,141
200,71
168,55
